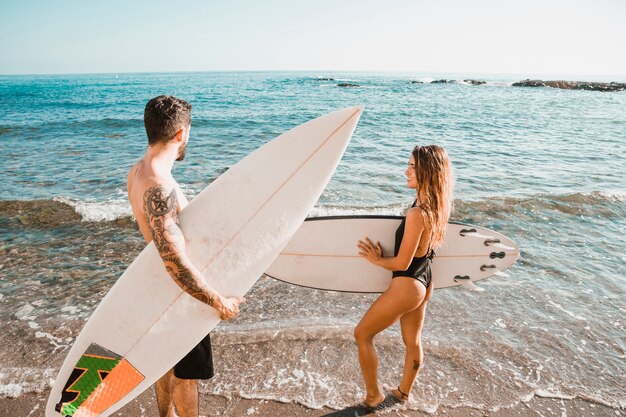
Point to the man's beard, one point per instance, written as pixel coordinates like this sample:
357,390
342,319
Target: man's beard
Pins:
181,152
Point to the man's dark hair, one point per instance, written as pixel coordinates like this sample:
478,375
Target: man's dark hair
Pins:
164,116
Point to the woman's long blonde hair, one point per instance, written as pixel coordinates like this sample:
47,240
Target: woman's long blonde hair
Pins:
435,181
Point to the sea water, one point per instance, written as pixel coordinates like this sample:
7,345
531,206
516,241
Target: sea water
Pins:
543,166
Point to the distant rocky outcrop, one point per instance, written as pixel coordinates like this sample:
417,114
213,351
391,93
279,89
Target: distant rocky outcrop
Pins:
347,85
325,79
572,85
472,82
475,82
417,82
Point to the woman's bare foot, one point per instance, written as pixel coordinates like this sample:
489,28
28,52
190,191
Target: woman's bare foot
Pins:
373,402
400,396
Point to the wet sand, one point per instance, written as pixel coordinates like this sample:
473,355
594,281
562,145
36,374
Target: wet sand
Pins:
32,405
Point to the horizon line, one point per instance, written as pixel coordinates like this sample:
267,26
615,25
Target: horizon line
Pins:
326,72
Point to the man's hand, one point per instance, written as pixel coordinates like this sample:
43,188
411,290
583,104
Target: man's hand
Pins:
228,307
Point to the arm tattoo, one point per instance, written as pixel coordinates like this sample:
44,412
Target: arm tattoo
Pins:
160,211
185,279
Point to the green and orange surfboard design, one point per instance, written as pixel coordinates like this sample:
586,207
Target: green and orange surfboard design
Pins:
100,378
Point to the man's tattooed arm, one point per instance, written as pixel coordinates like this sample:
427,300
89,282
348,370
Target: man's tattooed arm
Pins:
159,207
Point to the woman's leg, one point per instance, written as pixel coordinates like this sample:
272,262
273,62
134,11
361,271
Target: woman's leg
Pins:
403,295
411,324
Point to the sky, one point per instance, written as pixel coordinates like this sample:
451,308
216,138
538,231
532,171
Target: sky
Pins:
529,37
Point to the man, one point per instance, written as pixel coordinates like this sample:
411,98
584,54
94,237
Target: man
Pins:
156,200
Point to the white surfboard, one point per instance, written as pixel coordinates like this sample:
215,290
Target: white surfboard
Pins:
234,229
323,255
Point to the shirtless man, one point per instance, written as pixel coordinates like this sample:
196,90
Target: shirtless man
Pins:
156,200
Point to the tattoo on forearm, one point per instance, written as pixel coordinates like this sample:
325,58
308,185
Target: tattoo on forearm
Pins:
162,219
416,365
184,278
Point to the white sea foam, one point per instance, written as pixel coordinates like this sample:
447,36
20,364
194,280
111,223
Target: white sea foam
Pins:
35,408
11,390
394,210
15,382
569,313
24,312
543,393
500,322
96,211
616,195
70,309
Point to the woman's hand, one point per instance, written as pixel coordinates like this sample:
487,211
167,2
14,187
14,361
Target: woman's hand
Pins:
369,251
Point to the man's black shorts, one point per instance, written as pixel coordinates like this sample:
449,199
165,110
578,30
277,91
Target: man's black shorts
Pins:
198,364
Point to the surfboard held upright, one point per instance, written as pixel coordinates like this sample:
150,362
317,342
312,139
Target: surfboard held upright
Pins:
234,230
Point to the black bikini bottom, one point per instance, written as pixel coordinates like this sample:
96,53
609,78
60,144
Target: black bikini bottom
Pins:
419,270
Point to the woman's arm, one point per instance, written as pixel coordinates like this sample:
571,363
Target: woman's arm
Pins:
413,231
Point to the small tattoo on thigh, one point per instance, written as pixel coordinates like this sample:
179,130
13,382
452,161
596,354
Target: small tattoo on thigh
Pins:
416,365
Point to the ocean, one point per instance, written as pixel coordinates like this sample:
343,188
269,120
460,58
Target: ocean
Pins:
542,166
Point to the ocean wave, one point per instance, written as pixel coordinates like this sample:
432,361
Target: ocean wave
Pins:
65,210
604,204
39,212
594,203
107,124
94,211
500,83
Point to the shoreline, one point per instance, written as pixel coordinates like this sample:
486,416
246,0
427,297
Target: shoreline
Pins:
33,405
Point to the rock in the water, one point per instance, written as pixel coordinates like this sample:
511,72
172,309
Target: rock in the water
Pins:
347,85
325,79
417,82
475,82
529,83
573,85
441,81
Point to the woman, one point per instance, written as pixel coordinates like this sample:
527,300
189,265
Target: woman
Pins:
430,174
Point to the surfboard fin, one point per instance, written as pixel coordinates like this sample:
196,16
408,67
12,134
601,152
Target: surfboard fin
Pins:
496,270
473,233
471,286
497,244
466,282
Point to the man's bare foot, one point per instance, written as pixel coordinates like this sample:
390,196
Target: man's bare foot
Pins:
373,402
400,396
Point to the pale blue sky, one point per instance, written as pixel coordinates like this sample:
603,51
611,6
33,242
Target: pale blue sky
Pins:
480,36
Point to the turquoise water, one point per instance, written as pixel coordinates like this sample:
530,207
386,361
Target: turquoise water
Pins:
76,136
543,166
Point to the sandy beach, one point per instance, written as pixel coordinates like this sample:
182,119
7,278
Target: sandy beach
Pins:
32,405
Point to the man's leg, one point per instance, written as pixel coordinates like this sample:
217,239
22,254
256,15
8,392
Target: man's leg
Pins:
163,388
185,396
